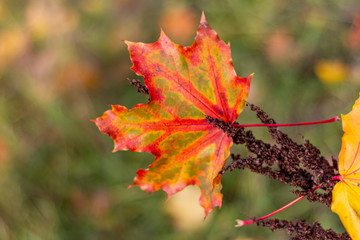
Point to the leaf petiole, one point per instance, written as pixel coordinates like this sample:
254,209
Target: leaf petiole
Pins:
241,223
334,119
338,177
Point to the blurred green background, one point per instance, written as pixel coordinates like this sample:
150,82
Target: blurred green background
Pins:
63,63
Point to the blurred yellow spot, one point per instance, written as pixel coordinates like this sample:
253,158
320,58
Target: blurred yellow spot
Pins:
12,42
184,207
331,72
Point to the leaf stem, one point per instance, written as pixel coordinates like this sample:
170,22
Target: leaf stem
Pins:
338,177
288,124
241,223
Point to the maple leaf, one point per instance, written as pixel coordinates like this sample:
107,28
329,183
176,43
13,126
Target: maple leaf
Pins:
346,193
185,84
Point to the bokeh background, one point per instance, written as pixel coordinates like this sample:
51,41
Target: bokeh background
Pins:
63,63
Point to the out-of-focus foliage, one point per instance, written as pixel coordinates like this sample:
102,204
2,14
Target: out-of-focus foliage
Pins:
63,62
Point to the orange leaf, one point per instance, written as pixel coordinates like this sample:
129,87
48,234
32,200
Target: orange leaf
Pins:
346,193
185,84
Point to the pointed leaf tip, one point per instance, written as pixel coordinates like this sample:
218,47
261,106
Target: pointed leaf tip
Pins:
250,77
162,32
203,19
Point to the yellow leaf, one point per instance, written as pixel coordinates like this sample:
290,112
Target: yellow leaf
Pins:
346,193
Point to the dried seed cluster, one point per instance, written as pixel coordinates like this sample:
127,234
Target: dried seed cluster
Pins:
140,88
299,165
303,230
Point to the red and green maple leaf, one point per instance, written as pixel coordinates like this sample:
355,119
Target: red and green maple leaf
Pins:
185,84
